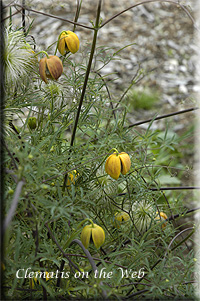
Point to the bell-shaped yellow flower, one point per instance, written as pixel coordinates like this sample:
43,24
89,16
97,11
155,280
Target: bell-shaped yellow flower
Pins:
162,217
72,177
95,232
68,41
50,67
117,163
121,218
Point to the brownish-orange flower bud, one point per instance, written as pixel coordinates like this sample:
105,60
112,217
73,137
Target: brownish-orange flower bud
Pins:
50,67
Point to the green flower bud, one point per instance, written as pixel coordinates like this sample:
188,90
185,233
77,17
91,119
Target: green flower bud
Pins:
32,123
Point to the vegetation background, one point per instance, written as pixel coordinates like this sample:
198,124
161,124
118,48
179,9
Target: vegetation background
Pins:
114,93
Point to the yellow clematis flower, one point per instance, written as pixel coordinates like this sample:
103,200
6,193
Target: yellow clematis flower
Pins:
50,67
72,176
117,163
121,218
68,42
161,218
95,232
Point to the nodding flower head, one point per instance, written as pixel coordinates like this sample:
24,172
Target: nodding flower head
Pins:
121,218
68,42
117,163
50,67
92,232
161,216
72,176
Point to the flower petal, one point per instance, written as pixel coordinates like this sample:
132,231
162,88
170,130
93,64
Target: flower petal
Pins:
55,67
98,236
125,163
62,43
113,166
42,69
162,216
85,235
72,42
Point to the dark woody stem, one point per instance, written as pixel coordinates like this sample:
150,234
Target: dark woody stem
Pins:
161,117
23,17
86,80
87,72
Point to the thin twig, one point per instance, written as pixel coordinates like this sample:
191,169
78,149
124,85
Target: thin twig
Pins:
162,117
75,167
78,8
167,188
87,72
136,294
55,17
96,259
109,95
85,81
13,175
94,267
13,205
175,188
17,12
173,239
182,214
59,247
146,2
87,253
129,87
23,17
11,156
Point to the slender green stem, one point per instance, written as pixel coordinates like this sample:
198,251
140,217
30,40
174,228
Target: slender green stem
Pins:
42,51
50,16
115,151
76,232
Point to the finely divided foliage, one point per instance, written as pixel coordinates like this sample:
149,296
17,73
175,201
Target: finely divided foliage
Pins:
94,205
